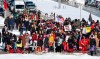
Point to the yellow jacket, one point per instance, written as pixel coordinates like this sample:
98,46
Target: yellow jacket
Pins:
19,45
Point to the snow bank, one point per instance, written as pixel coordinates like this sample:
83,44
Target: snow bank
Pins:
48,6
16,32
47,56
2,21
80,1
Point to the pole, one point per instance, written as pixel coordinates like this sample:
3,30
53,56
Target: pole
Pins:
59,4
80,11
5,13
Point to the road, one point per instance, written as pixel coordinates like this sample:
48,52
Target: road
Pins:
93,10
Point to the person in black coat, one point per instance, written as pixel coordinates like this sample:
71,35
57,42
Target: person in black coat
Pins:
70,44
59,41
92,45
11,23
46,42
46,45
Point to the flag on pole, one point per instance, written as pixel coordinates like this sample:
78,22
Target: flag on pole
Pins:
5,5
90,17
59,19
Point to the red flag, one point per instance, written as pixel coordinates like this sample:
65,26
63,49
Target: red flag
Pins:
5,5
62,19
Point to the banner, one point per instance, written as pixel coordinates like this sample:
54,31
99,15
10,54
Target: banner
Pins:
88,29
59,19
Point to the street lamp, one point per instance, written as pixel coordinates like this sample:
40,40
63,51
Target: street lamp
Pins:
59,4
80,7
80,10
80,4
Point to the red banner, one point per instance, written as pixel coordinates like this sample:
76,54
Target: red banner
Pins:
5,5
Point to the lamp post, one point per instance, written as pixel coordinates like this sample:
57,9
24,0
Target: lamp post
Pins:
59,4
80,11
80,6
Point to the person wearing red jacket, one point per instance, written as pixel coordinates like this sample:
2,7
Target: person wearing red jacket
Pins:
84,43
65,46
92,26
34,39
34,36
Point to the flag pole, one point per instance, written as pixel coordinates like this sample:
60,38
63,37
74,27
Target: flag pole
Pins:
5,14
5,8
80,11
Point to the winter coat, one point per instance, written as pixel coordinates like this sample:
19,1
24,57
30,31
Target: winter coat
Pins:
83,44
40,41
19,43
92,44
92,48
15,38
51,40
11,50
65,45
60,40
34,37
46,42
6,21
11,22
70,43
92,26
23,40
7,39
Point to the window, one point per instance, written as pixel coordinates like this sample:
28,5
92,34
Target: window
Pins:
19,6
1,9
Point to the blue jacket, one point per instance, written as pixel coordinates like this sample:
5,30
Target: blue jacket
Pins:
11,22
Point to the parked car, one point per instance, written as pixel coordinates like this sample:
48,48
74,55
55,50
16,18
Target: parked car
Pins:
91,2
98,4
11,6
1,12
30,6
19,6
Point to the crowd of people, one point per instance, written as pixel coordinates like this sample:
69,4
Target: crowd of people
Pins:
39,35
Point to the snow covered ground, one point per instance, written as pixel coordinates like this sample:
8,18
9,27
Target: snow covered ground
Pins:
2,21
48,6
47,56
